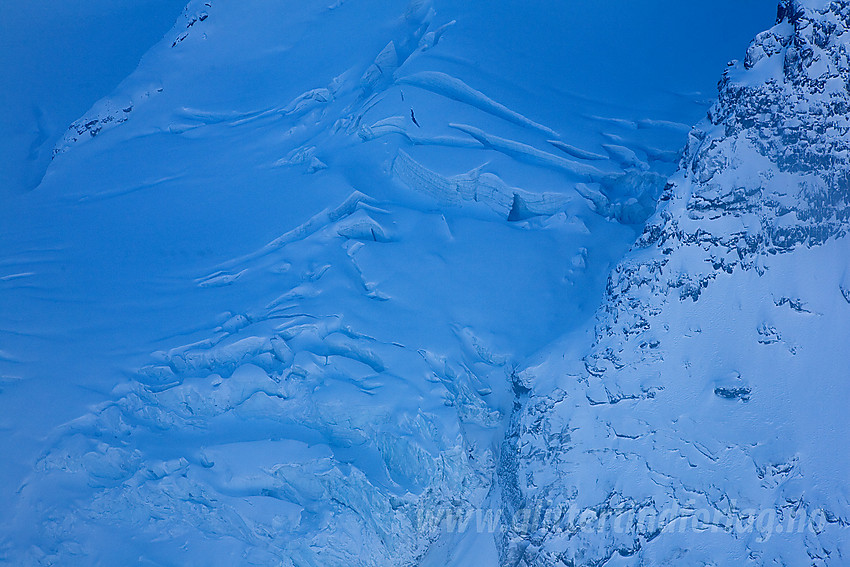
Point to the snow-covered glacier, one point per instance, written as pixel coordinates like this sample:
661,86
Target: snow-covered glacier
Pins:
371,282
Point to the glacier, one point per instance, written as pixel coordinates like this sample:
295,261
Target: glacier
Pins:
434,283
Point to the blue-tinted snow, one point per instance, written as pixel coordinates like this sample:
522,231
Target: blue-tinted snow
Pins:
243,189
57,59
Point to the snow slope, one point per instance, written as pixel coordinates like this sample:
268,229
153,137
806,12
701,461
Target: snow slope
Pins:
57,59
266,304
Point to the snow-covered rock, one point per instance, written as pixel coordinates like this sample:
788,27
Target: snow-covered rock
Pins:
705,423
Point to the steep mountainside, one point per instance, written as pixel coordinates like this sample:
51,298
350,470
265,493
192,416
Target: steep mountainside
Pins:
706,424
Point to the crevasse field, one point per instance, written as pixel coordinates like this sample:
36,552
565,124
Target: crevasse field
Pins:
424,283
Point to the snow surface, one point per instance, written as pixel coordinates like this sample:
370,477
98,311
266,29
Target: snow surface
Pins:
57,59
254,313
